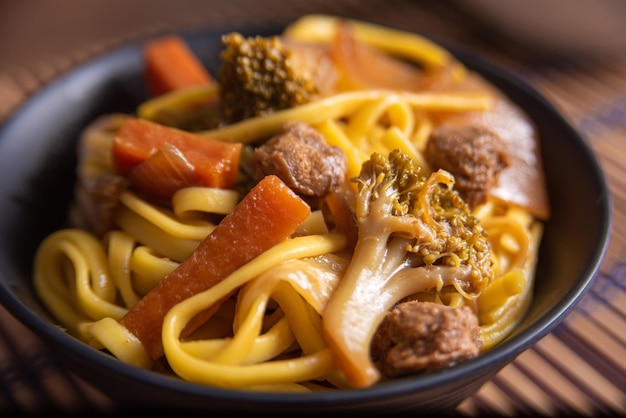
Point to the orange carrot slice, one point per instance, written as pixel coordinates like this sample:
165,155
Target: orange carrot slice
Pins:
216,162
365,67
267,215
345,220
171,65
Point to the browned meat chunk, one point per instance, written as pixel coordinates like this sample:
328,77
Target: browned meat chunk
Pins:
98,187
421,336
472,154
95,203
300,156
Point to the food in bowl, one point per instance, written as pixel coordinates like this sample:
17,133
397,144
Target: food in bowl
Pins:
338,205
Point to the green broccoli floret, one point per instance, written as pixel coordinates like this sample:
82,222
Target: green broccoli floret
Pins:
257,77
415,234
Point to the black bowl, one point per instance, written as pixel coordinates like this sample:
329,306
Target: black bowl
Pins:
37,164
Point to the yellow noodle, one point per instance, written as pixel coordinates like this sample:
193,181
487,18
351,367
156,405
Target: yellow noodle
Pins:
336,136
177,104
456,300
248,329
266,346
314,224
511,283
312,281
423,128
50,287
342,104
108,333
242,348
153,236
119,249
205,200
500,318
149,268
306,322
500,226
322,28
307,246
302,368
194,230
394,138
91,283
95,145
278,371
362,122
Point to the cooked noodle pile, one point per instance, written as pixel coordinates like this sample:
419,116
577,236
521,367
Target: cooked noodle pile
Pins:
265,329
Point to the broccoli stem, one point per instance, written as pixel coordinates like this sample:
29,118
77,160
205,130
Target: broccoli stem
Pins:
356,306
361,300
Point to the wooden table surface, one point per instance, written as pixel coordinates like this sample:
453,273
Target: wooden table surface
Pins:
580,368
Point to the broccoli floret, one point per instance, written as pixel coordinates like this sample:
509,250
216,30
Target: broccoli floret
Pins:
257,77
397,199
415,234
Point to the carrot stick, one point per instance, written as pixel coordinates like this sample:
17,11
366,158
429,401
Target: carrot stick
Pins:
216,162
171,65
267,215
345,220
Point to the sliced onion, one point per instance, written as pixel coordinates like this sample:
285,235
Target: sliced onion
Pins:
163,173
365,67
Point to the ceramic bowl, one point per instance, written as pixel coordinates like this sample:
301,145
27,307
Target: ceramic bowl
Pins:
37,166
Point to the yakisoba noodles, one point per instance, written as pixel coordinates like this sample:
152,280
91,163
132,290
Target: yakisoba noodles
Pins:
268,332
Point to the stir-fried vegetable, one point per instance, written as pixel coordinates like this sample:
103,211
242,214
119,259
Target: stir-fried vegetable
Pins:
171,65
267,215
216,163
407,224
257,76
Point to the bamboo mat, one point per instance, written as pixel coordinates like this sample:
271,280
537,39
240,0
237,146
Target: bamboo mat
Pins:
580,368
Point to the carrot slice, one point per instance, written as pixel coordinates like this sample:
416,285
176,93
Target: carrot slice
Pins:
366,67
267,215
171,65
343,217
215,162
